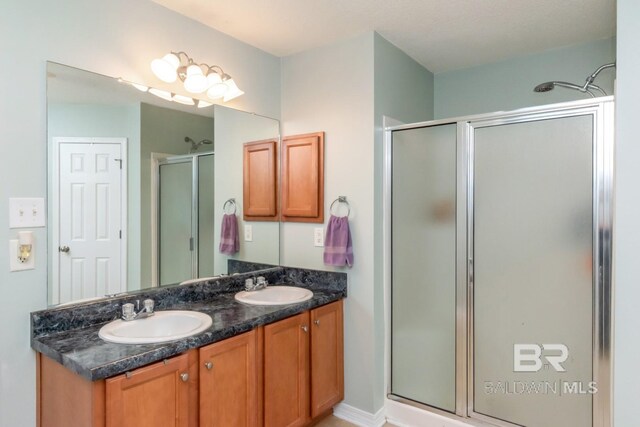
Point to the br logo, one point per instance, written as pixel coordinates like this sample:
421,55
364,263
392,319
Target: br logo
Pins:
528,357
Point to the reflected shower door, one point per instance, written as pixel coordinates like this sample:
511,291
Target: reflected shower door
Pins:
206,226
423,290
533,272
175,221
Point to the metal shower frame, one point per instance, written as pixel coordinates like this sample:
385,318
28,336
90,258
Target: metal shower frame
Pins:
602,112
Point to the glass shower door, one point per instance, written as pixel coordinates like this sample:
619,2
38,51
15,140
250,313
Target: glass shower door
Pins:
175,227
423,291
533,269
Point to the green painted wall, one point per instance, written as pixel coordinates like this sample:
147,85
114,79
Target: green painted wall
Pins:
508,84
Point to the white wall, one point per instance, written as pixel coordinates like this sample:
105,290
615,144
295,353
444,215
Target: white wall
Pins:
117,38
330,89
627,219
344,90
508,84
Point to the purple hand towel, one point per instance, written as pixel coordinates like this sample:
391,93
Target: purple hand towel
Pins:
337,243
229,238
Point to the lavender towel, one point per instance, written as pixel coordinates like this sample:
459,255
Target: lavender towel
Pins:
337,243
229,239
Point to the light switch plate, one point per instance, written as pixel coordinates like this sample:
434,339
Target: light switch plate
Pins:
318,237
248,233
26,212
14,262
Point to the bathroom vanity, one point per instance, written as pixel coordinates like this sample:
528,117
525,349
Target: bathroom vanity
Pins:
255,366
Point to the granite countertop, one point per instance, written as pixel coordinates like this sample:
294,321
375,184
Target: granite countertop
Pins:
83,352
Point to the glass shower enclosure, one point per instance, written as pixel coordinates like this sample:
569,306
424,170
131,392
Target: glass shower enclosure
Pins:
498,229
185,228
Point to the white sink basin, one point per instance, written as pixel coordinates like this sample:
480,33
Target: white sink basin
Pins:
275,295
161,327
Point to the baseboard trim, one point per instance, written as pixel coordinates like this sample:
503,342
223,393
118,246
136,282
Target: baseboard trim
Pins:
358,416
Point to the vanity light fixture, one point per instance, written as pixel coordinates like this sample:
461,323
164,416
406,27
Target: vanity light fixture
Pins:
25,245
197,78
167,96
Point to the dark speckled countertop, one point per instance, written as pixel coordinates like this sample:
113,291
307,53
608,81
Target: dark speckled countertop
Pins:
59,334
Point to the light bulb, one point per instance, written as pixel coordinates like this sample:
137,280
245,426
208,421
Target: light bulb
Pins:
161,94
213,78
181,99
195,82
165,68
233,91
217,91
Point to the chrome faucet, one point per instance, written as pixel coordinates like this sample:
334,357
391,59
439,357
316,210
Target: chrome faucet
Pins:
260,283
128,312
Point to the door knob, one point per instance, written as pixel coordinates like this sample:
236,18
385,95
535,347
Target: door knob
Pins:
184,377
64,249
208,365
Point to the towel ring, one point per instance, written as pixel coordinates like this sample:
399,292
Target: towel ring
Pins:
340,199
231,202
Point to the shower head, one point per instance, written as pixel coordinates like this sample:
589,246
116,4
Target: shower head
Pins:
586,88
548,86
195,145
544,87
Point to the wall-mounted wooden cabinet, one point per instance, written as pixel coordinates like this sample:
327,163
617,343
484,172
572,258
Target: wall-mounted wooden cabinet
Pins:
302,189
260,182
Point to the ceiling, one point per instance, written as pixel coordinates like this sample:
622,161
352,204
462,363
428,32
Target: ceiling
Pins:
442,35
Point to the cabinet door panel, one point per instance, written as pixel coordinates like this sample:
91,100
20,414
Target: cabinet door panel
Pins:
229,383
303,178
259,181
153,396
327,357
286,372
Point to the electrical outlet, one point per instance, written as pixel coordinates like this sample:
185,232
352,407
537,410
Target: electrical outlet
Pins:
318,237
26,212
248,233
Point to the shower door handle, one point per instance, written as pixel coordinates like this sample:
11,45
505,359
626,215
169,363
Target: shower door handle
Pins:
471,272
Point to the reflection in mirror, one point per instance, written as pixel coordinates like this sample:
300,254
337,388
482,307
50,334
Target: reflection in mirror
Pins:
137,187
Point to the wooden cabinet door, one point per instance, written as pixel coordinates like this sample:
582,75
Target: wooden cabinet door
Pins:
327,358
286,372
259,200
154,396
229,382
303,178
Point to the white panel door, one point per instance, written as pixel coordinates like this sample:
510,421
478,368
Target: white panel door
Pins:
90,220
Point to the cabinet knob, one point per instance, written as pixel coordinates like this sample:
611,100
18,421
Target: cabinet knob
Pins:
317,322
184,377
208,365
304,328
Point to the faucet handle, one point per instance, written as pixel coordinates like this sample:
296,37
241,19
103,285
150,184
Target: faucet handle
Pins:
127,311
149,304
249,285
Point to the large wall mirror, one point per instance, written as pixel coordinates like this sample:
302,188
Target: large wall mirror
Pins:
138,186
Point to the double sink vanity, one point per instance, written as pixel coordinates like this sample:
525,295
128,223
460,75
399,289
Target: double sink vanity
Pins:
210,354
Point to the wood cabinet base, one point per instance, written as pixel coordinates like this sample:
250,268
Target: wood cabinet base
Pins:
286,374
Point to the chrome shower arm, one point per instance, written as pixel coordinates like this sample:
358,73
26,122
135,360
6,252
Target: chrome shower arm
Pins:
593,76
